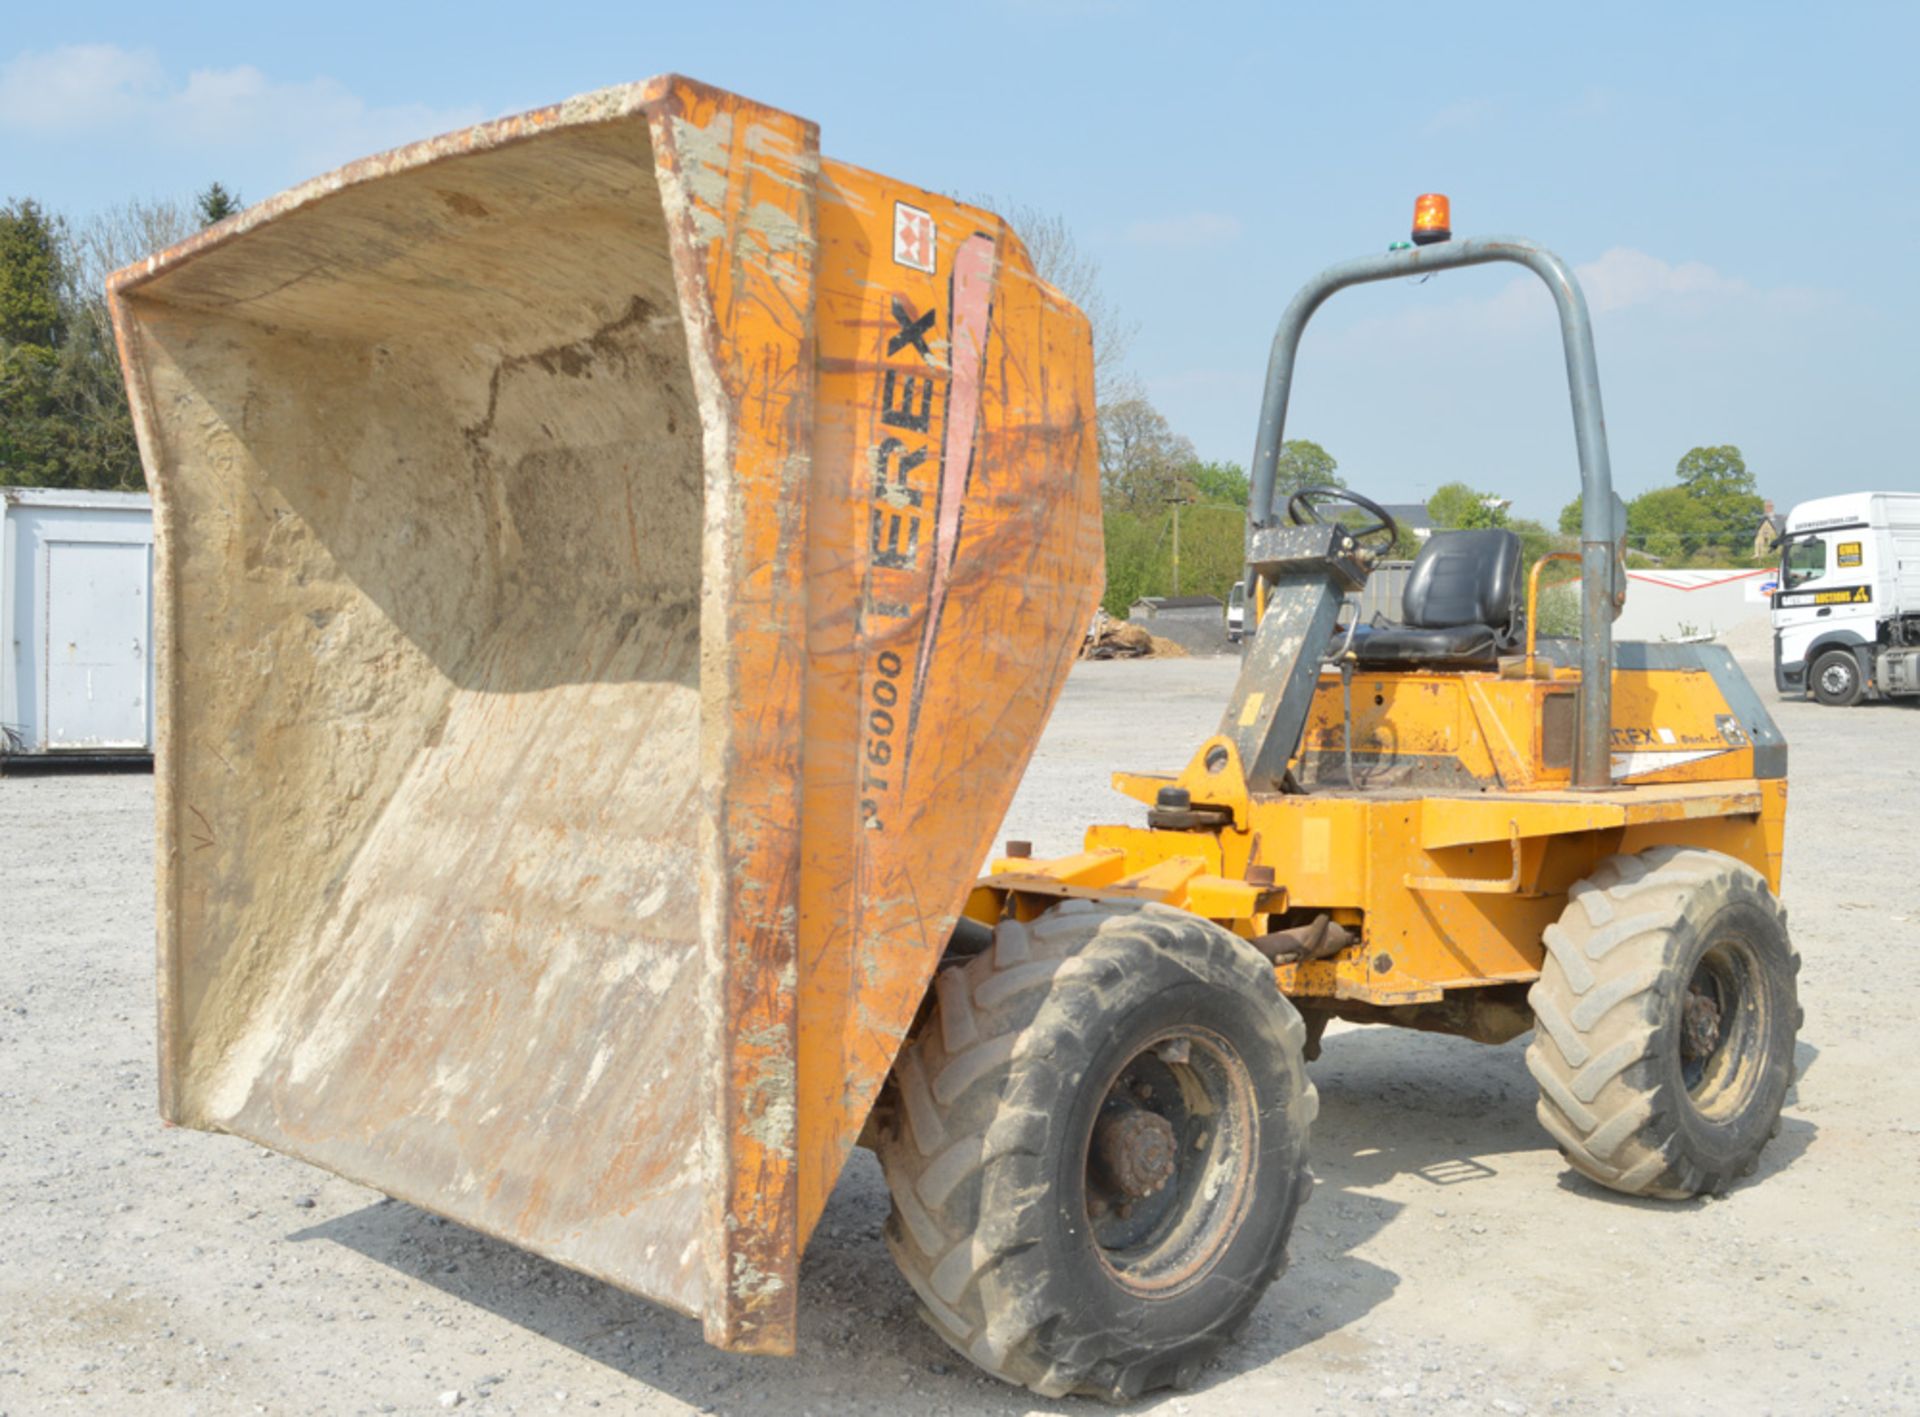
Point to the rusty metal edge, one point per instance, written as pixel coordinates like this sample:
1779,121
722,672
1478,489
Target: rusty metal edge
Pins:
751,944
608,105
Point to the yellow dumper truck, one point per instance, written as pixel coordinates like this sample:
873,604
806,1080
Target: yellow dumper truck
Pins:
614,565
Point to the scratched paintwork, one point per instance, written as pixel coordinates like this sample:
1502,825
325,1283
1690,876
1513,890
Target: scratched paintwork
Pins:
521,626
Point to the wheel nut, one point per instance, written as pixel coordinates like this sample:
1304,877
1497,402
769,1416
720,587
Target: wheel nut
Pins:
1137,1148
1699,1026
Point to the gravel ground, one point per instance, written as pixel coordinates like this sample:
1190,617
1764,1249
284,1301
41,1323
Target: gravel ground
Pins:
1448,1261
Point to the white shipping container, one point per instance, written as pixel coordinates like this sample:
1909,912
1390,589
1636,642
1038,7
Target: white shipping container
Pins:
76,623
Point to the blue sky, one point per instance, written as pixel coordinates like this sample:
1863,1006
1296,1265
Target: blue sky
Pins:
1735,183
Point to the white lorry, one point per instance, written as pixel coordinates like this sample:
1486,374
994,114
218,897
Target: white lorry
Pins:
1846,611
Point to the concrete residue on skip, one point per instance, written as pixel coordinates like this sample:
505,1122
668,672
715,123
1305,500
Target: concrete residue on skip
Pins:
704,168
787,164
767,1105
752,1283
777,228
704,158
765,140
603,104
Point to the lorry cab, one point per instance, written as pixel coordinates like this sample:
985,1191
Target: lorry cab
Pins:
1846,610
1237,612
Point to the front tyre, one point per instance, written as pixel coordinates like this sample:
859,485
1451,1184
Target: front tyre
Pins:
1836,680
1098,1146
1666,1014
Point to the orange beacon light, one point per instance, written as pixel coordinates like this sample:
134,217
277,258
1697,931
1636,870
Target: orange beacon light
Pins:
1432,219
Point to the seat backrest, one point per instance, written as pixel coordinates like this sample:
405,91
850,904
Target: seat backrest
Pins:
1465,578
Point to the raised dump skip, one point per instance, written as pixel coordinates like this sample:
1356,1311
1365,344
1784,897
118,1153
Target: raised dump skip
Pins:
613,567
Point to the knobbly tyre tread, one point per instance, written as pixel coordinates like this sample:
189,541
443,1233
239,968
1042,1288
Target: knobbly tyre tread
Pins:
970,1127
1597,1010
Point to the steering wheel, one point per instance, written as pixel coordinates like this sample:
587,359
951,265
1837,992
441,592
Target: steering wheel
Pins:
1303,509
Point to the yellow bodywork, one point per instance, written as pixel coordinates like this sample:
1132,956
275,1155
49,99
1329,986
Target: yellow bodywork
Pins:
1456,844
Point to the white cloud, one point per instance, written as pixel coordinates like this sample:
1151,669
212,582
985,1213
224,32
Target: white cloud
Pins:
83,90
77,88
1193,229
1617,281
1623,278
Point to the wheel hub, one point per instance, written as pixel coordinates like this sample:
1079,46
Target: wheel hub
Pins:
1169,1161
1699,1025
1137,1148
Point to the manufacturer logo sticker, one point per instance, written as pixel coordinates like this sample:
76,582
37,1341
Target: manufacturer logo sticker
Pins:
913,237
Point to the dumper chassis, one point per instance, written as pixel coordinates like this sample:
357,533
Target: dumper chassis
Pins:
1476,849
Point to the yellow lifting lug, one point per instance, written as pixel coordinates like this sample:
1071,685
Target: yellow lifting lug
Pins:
1214,777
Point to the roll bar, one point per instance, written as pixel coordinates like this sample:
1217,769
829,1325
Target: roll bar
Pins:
1592,764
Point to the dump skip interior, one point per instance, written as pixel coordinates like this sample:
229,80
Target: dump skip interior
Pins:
433,511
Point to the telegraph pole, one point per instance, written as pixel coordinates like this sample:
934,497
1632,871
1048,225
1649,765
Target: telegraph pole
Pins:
1177,503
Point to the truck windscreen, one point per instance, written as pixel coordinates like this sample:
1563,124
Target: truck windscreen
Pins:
1801,560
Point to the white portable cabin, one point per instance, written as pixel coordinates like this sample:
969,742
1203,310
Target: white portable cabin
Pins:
1690,603
76,623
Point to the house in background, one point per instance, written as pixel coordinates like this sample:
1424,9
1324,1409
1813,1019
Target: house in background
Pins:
1766,536
1413,517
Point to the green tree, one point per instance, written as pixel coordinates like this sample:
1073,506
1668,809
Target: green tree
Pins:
63,406
1219,483
1571,515
1535,540
1140,552
97,446
1213,550
1141,457
1459,507
1134,555
216,204
28,450
1714,472
1303,463
1707,516
33,320
33,277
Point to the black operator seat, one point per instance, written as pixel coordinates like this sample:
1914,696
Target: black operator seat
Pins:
1461,606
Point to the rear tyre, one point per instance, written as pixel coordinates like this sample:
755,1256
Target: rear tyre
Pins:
1097,1146
1836,680
1666,1014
